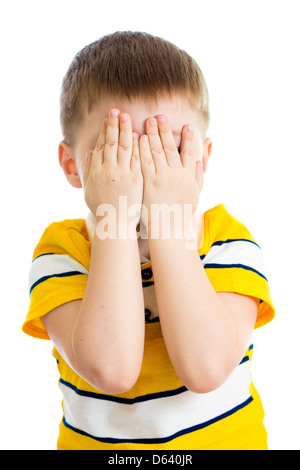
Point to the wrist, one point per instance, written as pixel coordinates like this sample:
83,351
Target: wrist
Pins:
166,221
109,228
171,245
117,221
182,233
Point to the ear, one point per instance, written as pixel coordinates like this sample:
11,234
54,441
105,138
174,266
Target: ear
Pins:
68,164
207,145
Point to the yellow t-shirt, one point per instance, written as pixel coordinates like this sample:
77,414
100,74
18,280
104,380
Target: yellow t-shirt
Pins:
158,412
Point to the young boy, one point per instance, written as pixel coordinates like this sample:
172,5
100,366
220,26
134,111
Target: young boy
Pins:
150,305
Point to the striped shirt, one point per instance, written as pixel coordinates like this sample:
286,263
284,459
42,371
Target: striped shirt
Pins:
159,412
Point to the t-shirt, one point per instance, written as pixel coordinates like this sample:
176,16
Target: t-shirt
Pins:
159,412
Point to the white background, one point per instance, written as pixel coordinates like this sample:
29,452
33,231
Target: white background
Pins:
249,54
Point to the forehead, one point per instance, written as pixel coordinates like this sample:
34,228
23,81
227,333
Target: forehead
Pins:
177,110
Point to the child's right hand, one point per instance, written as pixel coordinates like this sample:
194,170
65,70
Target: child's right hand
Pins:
113,169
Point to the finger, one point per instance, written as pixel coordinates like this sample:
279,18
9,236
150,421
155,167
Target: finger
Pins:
168,142
86,167
135,163
125,140
99,147
187,152
112,137
147,163
155,144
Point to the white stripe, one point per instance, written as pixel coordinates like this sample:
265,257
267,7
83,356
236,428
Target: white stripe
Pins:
49,265
156,418
236,252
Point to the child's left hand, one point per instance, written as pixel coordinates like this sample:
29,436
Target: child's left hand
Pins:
170,178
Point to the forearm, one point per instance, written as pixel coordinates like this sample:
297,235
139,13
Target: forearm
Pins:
108,333
199,334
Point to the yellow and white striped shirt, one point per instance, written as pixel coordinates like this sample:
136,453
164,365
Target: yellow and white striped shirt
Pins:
158,412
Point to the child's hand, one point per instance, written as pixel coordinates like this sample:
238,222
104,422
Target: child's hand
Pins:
113,169
169,177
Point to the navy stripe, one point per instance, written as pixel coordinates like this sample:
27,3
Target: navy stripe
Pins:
245,359
44,278
147,283
124,401
44,254
230,240
162,439
242,266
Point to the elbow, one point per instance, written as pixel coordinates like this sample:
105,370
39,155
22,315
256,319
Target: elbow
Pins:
110,375
203,385
112,386
111,381
205,381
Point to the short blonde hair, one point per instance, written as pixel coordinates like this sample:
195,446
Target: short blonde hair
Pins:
129,65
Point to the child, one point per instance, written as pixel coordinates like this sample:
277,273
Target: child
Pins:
150,305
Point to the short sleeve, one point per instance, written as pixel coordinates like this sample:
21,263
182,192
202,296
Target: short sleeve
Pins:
233,261
58,272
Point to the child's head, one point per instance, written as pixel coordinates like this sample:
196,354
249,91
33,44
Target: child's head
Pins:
132,69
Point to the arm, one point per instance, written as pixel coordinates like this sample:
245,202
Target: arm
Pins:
102,336
205,332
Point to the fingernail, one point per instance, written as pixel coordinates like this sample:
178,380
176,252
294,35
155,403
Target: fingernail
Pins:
152,122
124,118
144,138
114,113
161,119
189,128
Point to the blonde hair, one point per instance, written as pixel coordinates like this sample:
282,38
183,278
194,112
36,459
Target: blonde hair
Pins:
129,65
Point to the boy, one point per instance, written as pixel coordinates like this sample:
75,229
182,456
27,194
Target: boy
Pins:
163,363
